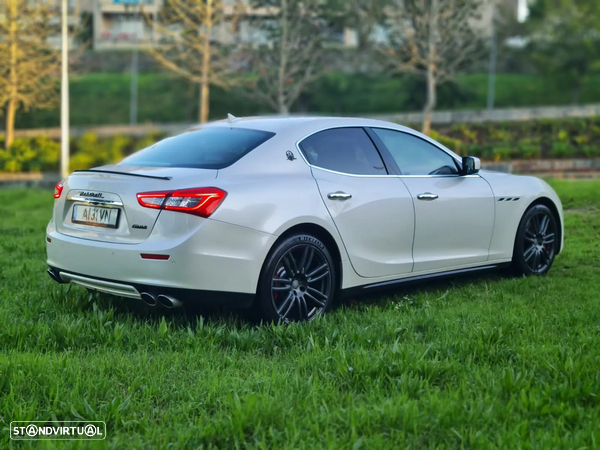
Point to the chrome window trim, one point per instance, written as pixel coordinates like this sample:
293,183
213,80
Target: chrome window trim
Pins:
426,139
337,127
448,152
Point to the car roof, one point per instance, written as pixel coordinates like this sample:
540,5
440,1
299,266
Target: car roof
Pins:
276,124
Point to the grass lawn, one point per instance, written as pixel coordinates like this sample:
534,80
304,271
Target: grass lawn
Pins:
482,361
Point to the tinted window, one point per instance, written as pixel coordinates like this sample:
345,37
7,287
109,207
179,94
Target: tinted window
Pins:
209,148
347,150
415,156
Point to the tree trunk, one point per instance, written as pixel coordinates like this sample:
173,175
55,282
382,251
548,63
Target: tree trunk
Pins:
431,101
204,101
10,122
431,74
283,107
12,76
283,58
206,57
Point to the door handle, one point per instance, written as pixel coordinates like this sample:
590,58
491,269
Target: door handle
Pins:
428,196
339,196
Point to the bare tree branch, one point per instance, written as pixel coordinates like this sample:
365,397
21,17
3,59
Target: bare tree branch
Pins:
287,53
29,66
186,29
434,39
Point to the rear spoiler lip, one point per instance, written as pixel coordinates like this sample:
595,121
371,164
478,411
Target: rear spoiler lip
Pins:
123,173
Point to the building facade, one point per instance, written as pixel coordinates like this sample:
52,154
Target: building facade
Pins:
118,24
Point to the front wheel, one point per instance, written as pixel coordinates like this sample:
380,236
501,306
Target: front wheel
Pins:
297,281
536,242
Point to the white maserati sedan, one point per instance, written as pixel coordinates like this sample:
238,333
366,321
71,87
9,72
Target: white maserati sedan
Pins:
288,214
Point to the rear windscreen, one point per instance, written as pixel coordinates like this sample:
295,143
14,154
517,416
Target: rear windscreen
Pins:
208,148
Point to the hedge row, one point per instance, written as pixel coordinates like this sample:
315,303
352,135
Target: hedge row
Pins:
547,138
565,138
41,154
103,99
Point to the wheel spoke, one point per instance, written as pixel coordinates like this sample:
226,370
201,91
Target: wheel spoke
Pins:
317,270
289,264
536,260
319,294
307,257
529,236
288,303
319,303
545,256
318,277
544,224
282,280
529,253
281,288
548,239
303,307
536,223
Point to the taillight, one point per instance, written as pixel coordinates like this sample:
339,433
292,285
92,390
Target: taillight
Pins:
198,201
58,189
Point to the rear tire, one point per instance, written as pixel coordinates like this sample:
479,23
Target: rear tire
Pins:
297,281
536,242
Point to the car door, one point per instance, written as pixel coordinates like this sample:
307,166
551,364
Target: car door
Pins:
371,209
454,214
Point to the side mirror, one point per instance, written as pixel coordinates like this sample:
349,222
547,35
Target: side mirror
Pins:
470,165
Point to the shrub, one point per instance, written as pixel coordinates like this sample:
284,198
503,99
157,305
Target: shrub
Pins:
95,152
502,153
591,151
562,149
545,138
30,155
43,154
529,149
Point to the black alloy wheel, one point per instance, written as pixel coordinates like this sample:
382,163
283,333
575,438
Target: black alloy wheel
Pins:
298,280
537,241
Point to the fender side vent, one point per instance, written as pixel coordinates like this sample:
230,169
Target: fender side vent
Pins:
509,199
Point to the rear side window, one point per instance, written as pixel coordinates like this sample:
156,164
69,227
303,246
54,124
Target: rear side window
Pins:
346,150
208,148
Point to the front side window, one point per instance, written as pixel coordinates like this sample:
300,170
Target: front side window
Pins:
415,156
346,150
207,148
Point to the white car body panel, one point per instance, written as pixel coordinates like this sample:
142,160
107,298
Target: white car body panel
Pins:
378,247
522,192
456,228
383,233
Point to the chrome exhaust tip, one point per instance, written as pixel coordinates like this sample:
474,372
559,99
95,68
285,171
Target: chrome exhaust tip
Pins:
55,276
148,299
169,302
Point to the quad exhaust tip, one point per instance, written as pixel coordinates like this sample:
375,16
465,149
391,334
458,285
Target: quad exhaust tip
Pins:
148,299
55,276
165,300
169,302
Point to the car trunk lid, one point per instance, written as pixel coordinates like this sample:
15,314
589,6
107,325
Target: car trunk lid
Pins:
101,204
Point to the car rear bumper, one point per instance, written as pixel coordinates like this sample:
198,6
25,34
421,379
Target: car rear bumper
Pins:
196,297
217,257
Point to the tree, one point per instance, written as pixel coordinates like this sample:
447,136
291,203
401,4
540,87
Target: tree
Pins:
29,66
186,29
287,55
564,39
362,16
434,39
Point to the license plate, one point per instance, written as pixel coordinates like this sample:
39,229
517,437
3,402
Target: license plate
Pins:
95,216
